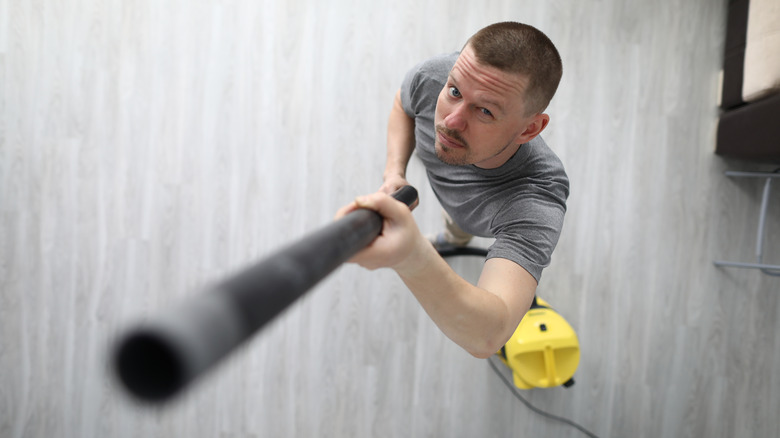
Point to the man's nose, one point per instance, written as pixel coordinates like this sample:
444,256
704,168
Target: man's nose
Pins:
456,120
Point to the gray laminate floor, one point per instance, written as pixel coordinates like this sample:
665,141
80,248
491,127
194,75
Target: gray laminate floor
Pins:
148,148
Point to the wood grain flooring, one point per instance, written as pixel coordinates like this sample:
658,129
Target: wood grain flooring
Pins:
148,148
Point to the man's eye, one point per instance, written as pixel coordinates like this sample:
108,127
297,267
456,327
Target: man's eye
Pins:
454,92
486,112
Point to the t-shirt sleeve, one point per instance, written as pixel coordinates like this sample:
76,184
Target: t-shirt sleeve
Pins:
422,84
409,88
527,228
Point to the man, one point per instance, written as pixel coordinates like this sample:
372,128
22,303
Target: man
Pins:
474,119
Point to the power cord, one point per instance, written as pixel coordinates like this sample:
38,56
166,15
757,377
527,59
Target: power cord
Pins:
534,408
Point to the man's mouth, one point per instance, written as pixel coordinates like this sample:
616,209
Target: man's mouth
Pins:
452,140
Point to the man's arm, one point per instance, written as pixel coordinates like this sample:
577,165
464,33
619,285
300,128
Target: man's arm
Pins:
400,145
479,318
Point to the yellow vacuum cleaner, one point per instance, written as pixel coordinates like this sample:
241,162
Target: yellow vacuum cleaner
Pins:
544,350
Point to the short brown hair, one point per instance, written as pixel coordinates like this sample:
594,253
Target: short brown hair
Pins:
522,49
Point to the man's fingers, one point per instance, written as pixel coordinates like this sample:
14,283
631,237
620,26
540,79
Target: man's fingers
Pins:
393,183
343,211
382,203
387,188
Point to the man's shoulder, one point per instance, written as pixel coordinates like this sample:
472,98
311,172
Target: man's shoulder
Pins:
539,153
442,62
436,67
422,84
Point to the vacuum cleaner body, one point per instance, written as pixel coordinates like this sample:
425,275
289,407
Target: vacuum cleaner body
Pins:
544,350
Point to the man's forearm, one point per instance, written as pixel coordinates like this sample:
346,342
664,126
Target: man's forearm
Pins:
478,320
400,140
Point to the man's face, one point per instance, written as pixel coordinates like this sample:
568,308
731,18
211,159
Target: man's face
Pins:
479,114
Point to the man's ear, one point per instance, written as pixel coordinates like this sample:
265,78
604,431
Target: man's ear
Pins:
534,127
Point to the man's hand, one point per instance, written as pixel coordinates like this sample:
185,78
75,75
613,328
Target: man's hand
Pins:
393,183
400,239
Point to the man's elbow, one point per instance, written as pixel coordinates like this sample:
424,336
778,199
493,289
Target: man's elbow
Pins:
486,350
492,343
482,354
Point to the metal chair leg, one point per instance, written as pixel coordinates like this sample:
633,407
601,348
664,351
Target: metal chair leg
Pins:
768,269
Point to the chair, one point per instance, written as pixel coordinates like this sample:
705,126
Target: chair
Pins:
773,270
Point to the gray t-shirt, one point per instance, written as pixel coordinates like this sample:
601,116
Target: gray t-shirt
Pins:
521,204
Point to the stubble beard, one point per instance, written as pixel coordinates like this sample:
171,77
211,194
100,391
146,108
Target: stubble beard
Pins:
444,152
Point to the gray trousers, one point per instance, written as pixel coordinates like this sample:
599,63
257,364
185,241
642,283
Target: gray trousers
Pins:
453,233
